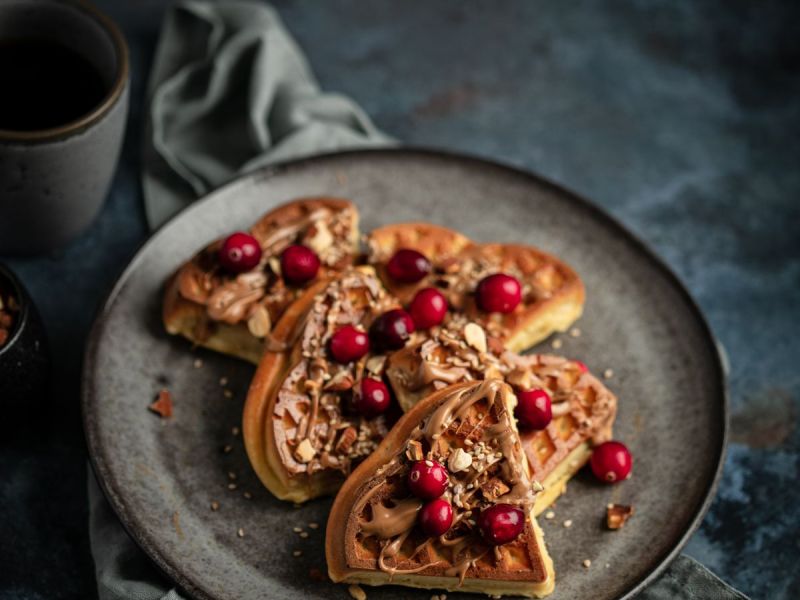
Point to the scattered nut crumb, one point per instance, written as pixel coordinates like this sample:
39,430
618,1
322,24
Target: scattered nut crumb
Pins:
568,523
356,592
537,487
240,533
247,495
304,451
163,404
227,393
475,336
297,529
304,534
297,553
215,506
557,343
587,563
575,332
608,373
198,363
234,431
231,475
313,525
231,486
617,515
223,381
227,448
550,515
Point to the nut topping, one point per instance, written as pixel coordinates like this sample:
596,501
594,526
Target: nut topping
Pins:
346,440
259,323
459,461
617,515
414,451
475,337
304,451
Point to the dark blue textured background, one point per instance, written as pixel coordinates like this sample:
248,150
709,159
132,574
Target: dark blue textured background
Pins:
680,118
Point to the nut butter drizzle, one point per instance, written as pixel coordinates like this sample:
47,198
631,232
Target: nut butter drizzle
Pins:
393,524
232,299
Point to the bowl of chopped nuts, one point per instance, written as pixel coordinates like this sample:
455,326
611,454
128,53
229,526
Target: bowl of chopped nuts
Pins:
24,360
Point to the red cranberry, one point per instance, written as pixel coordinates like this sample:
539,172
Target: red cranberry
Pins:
408,266
611,462
299,264
534,409
498,293
581,366
392,329
427,479
374,398
240,252
428,308
348,344
501,523
436,517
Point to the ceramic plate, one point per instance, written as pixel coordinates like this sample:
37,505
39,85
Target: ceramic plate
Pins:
162,476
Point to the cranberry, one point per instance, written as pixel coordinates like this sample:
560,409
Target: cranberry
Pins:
581,366
240,252
436,517
427,479
299,264
408,266
428,308
611,462
349,344
534,409
501,523
373,399
498,293
392,329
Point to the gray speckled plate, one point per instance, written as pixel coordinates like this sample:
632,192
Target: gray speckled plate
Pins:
162,475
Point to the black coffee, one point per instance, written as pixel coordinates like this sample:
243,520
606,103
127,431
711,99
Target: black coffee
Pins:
44,85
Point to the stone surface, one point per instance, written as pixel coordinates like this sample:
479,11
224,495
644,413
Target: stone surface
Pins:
678,118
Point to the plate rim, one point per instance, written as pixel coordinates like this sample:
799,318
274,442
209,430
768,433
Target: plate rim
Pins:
104,476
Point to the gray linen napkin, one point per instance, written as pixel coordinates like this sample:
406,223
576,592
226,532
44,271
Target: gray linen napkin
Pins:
231,91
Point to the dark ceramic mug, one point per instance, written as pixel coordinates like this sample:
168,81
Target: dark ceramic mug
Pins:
24,358
53,180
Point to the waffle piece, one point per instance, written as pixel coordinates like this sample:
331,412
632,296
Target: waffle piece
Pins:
300,438
583,408
552,293
372,537
232,313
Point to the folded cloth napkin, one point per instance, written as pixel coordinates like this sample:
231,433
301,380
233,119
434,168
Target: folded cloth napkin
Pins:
231,91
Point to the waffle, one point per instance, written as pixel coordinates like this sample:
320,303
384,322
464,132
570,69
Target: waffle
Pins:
300,438
233,314
371,536
583,408
553,294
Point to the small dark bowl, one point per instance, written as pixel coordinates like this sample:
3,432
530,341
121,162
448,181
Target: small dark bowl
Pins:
24,358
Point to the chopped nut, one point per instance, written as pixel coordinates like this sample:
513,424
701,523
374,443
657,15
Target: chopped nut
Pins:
494,488
297,553
440,448
557,343
550,515
234,430
617,515
198,363
346,440
163,405
247,495
259,323
575,332
231,475
313,525
375,364
608,373
227,393
297,529
223,381
475,336
568,523
275,265
320,238
340,382
240,533
304,452
414,450
537,487
215,506
232,486
357,593
459,461
587,563
227,448
303,534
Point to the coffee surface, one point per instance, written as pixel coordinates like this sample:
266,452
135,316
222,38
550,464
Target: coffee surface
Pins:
45,85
